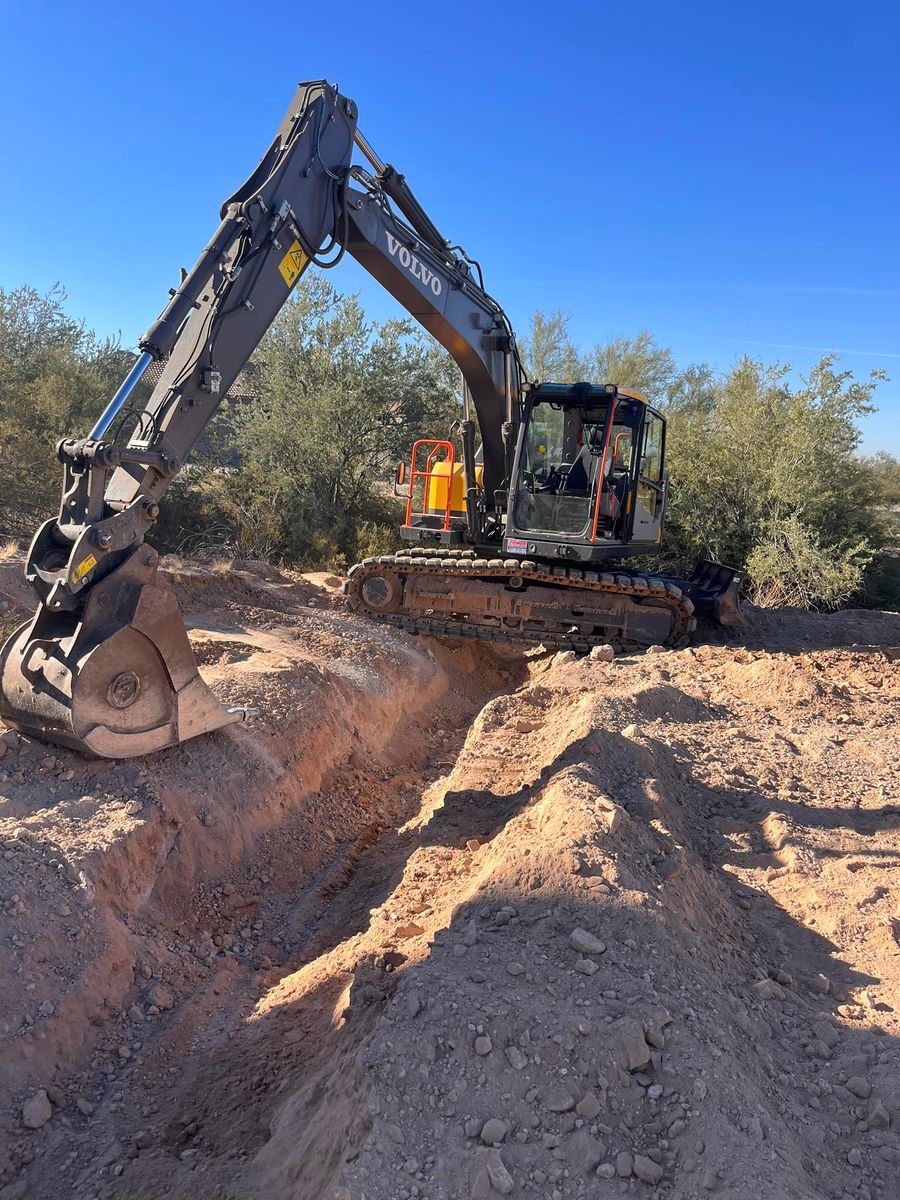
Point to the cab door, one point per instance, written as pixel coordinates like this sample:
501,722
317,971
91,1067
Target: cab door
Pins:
650,494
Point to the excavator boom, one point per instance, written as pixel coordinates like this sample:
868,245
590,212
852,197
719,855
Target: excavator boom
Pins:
105,664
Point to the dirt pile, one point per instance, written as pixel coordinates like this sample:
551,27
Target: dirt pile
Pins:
446,924
644,978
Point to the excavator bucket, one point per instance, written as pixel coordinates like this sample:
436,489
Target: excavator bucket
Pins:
118,679
715,591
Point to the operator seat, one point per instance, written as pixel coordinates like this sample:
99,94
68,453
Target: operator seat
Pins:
579,477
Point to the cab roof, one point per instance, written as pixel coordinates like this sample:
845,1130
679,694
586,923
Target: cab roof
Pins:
580,392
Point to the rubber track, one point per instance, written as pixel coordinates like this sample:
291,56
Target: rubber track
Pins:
666,593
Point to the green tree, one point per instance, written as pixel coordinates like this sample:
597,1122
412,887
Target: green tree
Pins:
634,362
884,468
340,400
765,476
551,356
692,391
883,578
764,472
548,352
56,377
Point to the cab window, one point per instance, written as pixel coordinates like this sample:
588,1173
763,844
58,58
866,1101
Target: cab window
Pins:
652,453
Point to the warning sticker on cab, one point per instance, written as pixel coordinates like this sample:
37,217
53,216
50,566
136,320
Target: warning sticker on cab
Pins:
291,266
86,564
516,545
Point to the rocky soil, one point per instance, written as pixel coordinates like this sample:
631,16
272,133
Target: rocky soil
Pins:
449,923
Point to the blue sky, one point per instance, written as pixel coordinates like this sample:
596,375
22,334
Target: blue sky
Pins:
723,174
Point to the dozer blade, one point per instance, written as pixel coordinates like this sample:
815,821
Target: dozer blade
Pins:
715,590
116,680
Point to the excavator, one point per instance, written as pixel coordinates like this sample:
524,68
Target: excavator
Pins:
511,528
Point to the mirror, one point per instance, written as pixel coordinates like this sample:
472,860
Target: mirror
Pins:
400,479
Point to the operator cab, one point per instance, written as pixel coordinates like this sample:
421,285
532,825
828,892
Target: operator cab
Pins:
588,475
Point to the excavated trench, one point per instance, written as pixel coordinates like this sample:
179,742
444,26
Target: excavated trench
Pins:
293,1031
251,870
628,916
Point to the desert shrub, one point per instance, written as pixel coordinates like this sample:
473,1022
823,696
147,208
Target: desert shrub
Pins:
765,476
340,400
884,469
55,379
788,565
764,471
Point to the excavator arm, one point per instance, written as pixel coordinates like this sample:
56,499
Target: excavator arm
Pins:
437,287
105,664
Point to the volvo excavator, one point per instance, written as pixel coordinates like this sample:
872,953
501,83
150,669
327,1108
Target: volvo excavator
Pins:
511,524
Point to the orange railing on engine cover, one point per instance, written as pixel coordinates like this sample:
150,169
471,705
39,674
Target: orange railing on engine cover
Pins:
428,474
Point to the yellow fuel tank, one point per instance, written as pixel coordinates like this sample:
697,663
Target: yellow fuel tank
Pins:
437,484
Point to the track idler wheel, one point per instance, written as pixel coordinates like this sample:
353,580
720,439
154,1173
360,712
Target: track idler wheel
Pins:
118,679
375,589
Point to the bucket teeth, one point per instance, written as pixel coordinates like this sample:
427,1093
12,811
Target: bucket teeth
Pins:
116,680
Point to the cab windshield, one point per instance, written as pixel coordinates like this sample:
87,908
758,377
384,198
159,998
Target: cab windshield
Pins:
564,452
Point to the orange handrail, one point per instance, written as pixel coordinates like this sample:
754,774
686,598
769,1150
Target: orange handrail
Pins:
428,474
619,436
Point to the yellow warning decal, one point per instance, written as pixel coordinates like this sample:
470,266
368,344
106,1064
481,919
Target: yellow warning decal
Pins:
86,564
291,266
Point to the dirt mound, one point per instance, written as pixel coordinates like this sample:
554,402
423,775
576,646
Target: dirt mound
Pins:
625,990
444,923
